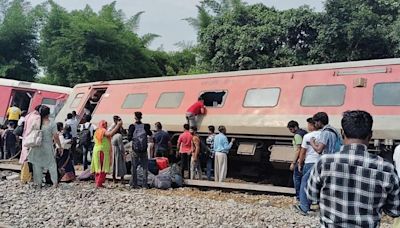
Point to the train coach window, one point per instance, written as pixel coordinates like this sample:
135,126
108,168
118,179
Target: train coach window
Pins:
170,100
214,99
326,95
134,100
77,100
266,97
387,94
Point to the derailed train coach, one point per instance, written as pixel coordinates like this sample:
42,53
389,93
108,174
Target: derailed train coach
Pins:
255,106
27,95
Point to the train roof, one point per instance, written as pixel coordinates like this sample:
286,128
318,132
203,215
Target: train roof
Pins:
37,86
326,66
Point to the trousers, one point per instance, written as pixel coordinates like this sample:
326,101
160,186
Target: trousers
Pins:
220,166
139,158
100,178
38,174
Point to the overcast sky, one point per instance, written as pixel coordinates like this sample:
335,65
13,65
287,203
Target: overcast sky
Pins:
164,17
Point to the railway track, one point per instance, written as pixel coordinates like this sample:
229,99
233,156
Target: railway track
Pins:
201,184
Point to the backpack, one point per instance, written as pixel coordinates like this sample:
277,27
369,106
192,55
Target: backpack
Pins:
301,132
85,137
9,138
139,139
204,149
338,142
19,130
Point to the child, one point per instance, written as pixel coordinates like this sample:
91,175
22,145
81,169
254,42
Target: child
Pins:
9,141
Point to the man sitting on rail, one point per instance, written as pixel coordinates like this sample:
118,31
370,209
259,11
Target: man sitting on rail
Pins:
353,186
194,110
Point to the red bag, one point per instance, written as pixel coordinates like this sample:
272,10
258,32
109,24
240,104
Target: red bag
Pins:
162,163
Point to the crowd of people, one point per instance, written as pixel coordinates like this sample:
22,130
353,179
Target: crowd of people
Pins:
351,185
334,169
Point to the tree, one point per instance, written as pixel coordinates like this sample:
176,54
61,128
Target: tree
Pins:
18,40
84,46
240,36
356,30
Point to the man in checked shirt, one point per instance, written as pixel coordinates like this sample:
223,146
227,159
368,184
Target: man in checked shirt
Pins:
354,186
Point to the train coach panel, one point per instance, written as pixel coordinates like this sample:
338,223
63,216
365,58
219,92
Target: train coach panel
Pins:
4,101
294,95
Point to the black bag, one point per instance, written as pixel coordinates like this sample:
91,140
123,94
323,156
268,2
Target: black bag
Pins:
9,138
152,166
204,148
85,137
19,130
139,139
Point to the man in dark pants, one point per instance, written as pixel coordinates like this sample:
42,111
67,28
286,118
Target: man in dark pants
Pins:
87,132
184,149
138,133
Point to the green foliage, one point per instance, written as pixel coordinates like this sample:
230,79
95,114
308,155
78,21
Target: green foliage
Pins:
357,29
84,46
235,36
18,40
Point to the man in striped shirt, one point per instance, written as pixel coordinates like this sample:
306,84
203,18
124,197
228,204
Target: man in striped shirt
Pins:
354,186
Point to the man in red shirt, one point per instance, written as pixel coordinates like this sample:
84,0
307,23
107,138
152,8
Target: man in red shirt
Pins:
194,110
185,148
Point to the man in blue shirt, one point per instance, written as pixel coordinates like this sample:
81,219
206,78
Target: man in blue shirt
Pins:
329,136
221,148
162,141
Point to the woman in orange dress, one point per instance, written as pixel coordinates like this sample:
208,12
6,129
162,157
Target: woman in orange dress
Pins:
102,153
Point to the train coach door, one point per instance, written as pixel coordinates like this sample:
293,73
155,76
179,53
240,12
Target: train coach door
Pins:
94,99
22,98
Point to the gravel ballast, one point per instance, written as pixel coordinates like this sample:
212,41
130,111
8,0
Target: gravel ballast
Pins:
79,204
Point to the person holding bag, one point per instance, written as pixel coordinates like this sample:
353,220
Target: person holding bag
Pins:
41,153
30,123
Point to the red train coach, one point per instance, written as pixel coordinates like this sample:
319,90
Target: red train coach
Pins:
28,95
255,105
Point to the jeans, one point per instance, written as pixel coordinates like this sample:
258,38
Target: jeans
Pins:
85,150
210,161
304,202
191,119
137,158
195,169
297,181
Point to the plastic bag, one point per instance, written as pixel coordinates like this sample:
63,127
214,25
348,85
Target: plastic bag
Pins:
26,175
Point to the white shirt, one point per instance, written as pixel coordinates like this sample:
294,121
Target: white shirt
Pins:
311,155
21,120
396,159
91,129
74,127
65,143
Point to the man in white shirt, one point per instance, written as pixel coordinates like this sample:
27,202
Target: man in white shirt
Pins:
71,121
307,158
396,159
